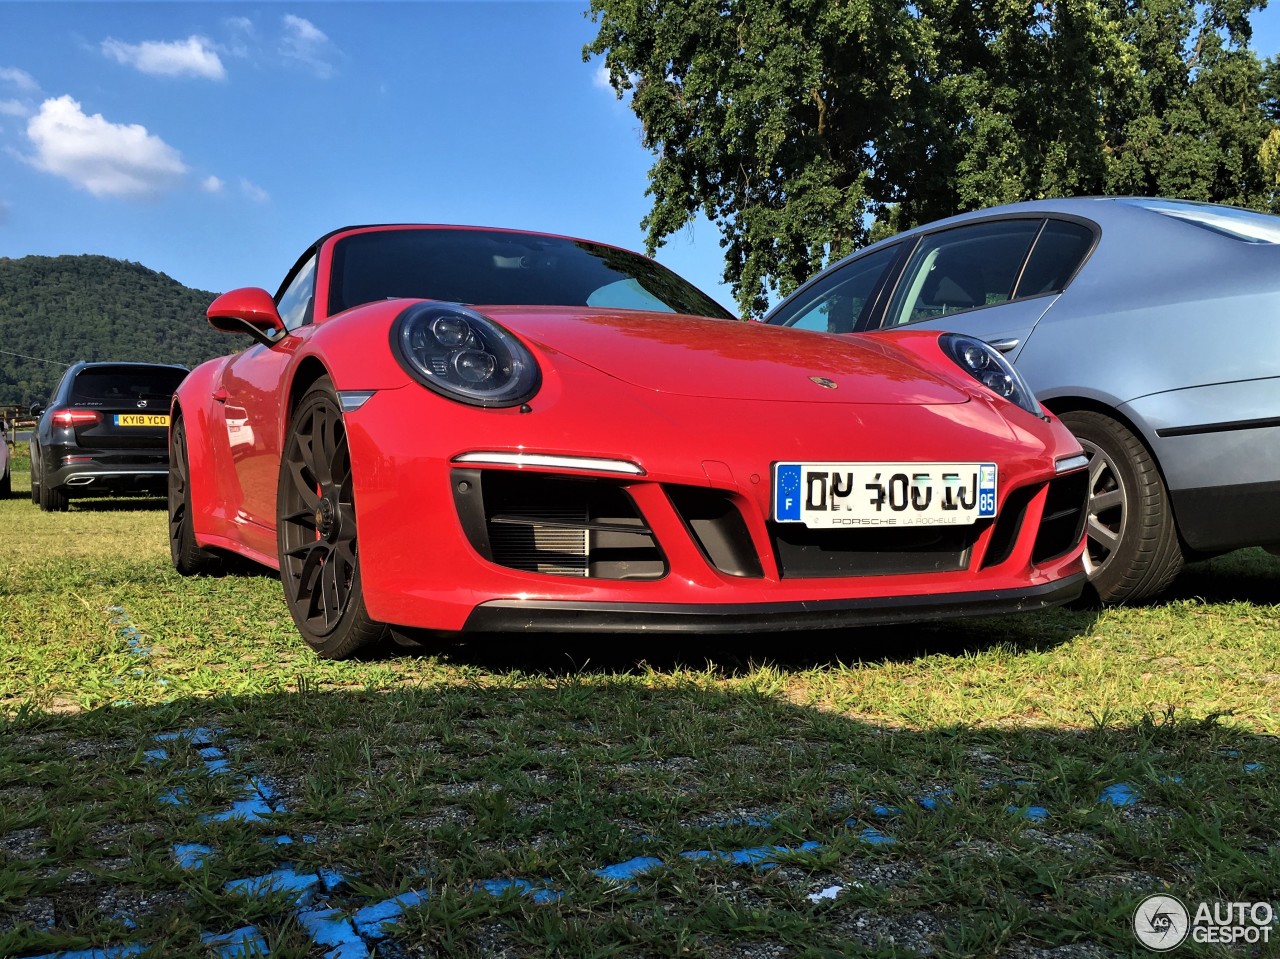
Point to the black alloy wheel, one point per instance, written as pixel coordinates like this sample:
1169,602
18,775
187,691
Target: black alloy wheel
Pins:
1132,551
188,558
316,530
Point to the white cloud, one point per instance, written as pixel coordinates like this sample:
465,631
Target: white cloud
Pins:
212,184
107,159
306,44
192,57
13,108
253,191
18,78
242,33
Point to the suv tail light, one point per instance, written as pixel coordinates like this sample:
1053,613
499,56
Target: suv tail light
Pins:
76,417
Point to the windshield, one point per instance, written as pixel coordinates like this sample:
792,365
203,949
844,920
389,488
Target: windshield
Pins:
491,267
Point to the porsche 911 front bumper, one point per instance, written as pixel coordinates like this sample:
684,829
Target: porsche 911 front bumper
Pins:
455,538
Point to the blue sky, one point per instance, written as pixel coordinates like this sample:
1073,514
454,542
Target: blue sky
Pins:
215,141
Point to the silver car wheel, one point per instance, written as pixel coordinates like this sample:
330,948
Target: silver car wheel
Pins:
1108,510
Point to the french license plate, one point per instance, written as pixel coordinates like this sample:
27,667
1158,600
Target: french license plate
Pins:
142,419
832,495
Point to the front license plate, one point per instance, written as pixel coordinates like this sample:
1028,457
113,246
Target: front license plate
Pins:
142,419
828,495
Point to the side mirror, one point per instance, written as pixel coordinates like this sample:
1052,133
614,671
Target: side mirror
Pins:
37,409
249,310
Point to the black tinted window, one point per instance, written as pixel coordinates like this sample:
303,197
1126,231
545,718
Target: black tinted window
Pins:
492,267
961,269
1057,254
106,385
834,303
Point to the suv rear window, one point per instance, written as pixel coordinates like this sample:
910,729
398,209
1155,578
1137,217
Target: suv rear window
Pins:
105,385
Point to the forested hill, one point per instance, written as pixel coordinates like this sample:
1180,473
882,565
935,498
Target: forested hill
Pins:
68,308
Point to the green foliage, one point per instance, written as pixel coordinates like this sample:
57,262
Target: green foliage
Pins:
56,310
806,128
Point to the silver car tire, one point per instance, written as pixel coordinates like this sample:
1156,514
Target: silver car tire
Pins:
1132,550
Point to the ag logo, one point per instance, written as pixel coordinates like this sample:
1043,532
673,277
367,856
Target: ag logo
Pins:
1161,923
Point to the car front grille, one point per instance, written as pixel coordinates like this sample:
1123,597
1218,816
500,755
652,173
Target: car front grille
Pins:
591,527
814,553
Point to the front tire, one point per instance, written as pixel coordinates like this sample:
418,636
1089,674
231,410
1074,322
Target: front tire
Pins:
316,530
1132,550
189,559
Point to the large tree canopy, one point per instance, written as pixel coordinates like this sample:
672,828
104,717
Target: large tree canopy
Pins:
802,128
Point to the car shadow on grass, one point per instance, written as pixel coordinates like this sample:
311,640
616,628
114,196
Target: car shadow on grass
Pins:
636,654
605,815
117,504
1245,576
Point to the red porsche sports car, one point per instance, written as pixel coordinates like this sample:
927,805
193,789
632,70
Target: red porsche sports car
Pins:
465,429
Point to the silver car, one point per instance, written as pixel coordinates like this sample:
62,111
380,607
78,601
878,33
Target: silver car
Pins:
1151,327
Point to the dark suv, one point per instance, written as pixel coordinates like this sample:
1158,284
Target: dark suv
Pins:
104,432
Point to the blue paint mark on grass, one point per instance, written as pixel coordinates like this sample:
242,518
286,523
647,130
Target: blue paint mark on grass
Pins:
300,887
540,894
254,805
243,943
196,736
106,952
329,927
1119,795
372,920
191,855
935,799
624,871
1034,813
762,857
876,837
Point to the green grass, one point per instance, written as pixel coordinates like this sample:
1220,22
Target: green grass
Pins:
546,759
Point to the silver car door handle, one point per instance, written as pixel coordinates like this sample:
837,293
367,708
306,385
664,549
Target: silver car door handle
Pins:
1004,346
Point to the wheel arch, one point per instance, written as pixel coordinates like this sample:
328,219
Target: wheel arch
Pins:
1069,403
309,370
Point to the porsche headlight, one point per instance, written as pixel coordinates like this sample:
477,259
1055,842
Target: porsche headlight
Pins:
988,366
463,355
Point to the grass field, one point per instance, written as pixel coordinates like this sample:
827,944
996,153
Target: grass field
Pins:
180,776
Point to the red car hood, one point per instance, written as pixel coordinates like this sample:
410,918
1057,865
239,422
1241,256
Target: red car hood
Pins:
694,356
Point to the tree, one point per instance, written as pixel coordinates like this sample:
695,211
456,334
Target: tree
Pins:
803,128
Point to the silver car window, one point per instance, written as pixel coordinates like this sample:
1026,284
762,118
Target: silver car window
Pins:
834,303
962,269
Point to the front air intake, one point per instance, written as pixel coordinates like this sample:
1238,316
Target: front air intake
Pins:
555,525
